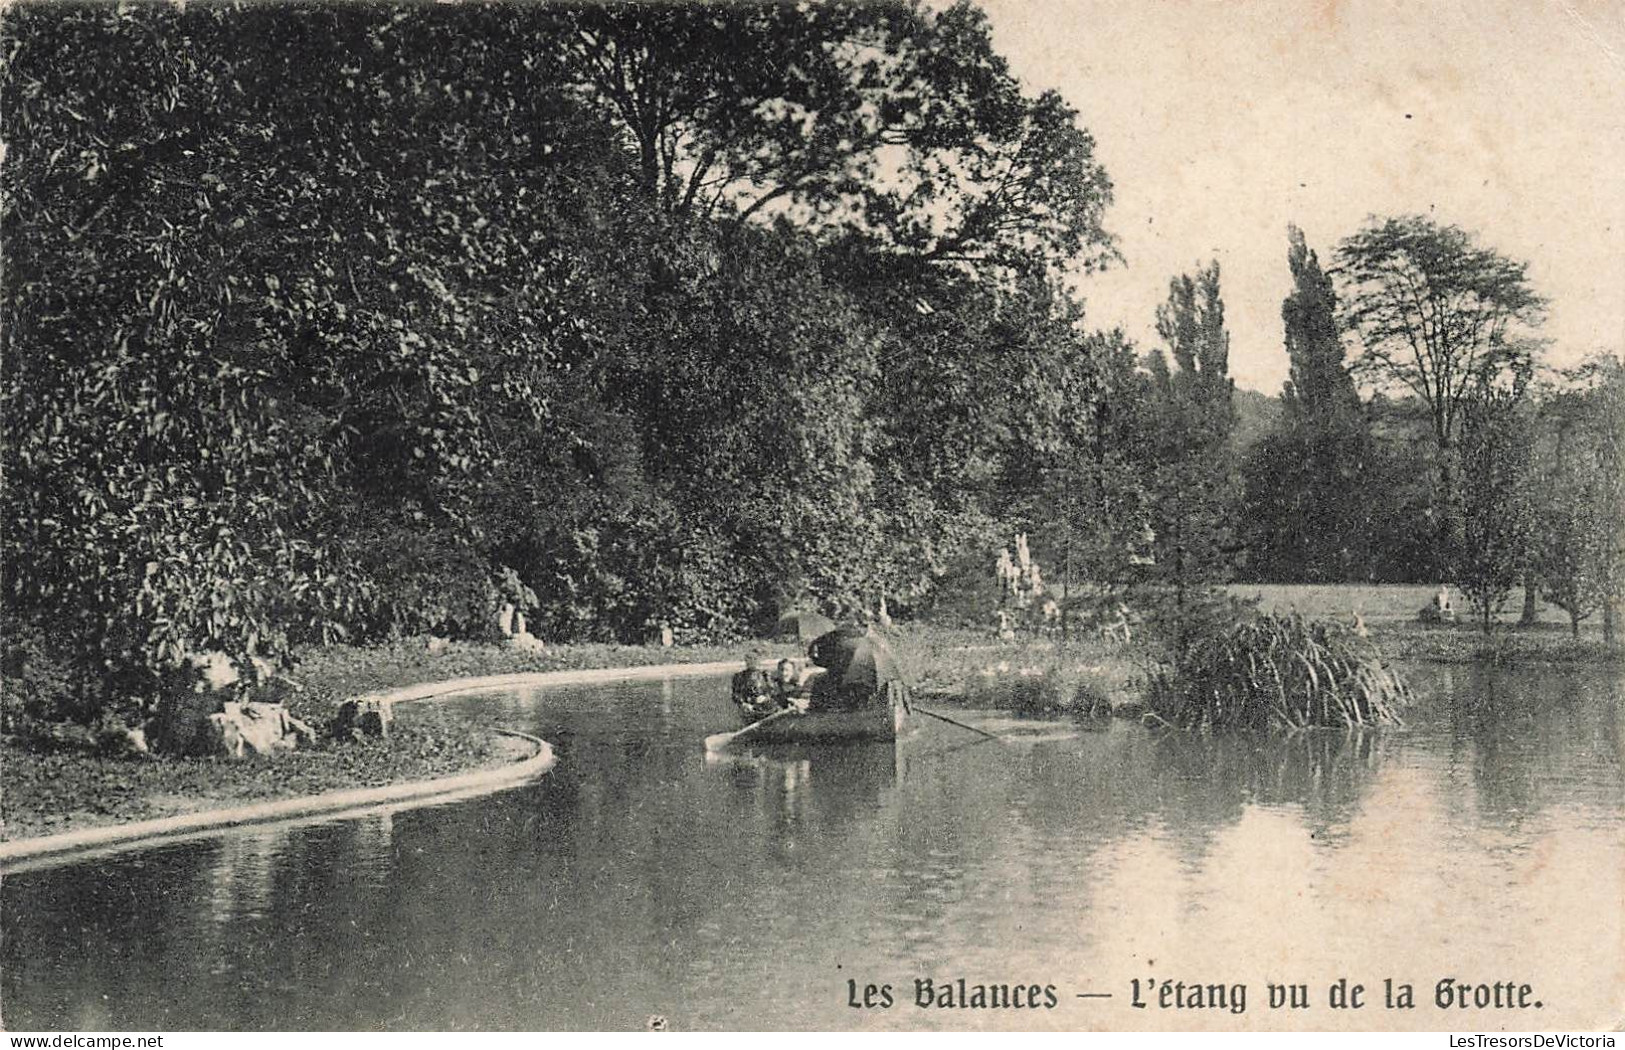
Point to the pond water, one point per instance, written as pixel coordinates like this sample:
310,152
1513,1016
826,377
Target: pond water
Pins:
1484,842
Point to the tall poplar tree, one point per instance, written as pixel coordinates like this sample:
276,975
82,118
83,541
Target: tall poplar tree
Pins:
1307,517
1194,414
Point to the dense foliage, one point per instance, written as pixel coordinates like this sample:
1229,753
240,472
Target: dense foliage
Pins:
361,321
349,321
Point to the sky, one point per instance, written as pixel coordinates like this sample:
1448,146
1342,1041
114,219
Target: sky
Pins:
1222,122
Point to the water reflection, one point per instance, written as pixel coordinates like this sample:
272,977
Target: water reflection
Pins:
818,787
1528,740
799,798
643,877
240,879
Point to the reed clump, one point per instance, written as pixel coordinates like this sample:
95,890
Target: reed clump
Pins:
1041,690
1088,676
1277,672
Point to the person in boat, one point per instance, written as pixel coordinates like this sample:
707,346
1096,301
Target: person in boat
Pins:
753,691
787,685
859,671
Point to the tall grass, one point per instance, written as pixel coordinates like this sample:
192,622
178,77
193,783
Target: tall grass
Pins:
1277,671
963,666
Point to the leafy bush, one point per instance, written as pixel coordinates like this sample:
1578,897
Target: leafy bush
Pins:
425,582
615,577
1277,672
45,704
1176,620
36,685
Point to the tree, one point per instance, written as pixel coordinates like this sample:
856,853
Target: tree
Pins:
760,383
1580,536
886,121
1308,485
1063,481
1497,505
1191,419
1111,541
1573,548
1319,391
159,497
1440,318
894,140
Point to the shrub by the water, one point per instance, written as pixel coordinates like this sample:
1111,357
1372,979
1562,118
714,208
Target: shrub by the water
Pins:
38,685
1039,690
1200,612
1277,672
1034,676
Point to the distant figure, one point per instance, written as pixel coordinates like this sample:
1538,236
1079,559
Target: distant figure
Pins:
1007,631
666,637
1440,609
753,691
1358,626
1441,602
1052,615
1118,630
787,690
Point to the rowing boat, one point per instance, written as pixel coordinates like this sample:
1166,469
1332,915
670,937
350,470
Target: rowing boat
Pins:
856,693
882,721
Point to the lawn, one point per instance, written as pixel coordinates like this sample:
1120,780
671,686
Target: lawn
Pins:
1375,602
1390,611
47,791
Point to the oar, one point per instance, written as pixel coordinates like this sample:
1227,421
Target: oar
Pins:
718,741
954,722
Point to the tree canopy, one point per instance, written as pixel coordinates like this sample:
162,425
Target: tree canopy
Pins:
1437,315
325,320
889,122
1192,416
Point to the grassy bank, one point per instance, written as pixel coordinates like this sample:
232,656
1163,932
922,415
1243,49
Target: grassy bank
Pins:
1465,643
1086,676
48,792
44,793
1389,611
